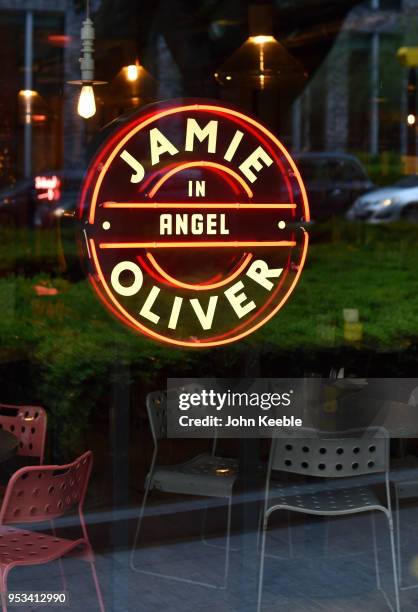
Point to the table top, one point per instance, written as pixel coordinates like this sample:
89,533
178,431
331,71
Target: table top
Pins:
8,445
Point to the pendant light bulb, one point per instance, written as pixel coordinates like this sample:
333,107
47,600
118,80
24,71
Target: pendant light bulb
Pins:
86,102
86,107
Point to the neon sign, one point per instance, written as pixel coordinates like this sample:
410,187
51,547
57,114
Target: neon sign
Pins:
192,215
48,188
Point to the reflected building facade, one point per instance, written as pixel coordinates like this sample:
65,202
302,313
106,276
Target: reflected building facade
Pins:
357,100
39,129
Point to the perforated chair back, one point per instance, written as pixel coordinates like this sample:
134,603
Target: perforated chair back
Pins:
157,414
158,406
29,425
43,493
332,455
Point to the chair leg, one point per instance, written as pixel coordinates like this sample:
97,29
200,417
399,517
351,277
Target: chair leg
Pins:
138,526
395,569
203,528
398,537
261,574
187,580
376,552
203,534
228,542
260,527
60,563
96,584
227,546
289,535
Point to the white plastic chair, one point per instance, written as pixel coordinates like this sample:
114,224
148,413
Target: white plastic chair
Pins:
204,475
330,455
413,398
405,487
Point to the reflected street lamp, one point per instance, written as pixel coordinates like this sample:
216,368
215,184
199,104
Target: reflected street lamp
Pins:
408,57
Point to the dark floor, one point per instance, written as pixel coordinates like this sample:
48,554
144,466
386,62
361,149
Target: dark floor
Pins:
331,568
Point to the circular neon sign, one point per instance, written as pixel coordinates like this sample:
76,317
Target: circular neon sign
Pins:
192,218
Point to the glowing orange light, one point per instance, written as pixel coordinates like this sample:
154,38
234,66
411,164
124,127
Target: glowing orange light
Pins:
200,286
47,182
199,206
261,39
195,107
192,245
185,343
51,186
59,40
201,164
28,93
288,293
132,72
42,290
236,266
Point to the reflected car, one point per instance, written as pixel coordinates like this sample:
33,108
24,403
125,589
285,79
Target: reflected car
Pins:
57,195
17,204
333,182
395,203
41,201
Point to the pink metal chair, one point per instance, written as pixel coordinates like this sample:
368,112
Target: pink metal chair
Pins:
44,493
28,424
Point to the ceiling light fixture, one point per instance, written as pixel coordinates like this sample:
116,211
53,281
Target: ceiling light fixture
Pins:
86,107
